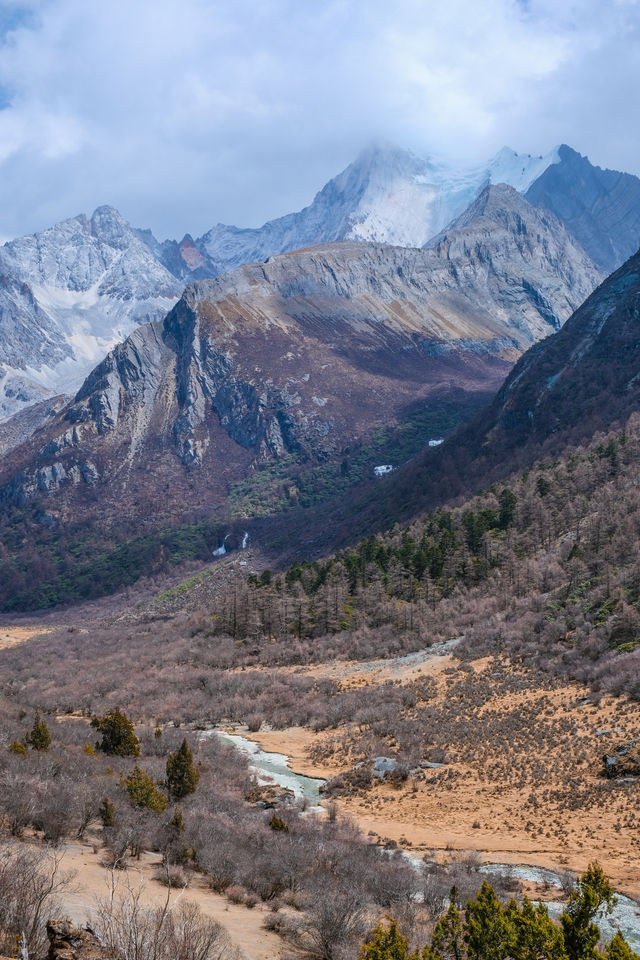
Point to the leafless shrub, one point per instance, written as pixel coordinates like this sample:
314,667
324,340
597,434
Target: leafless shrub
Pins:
130,930
31,882
172,876
236,893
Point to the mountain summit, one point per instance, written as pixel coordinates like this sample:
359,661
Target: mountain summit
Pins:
387,195
69,294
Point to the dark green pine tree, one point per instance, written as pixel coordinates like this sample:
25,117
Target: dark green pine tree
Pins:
487,929
619,949
118,737
107,812
39,738
581,934
182,773
143,792
387,943
448,940
534,935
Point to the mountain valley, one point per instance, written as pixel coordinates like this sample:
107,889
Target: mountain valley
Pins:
369,505
298,361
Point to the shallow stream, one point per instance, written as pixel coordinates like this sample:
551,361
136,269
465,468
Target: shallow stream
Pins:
274,768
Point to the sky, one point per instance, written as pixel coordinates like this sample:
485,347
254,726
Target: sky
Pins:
185,113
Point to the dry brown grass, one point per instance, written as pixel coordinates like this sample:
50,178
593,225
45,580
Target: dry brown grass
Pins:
523,784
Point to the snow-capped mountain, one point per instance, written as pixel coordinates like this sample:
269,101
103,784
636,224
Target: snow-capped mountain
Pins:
387,195
303,356
67,296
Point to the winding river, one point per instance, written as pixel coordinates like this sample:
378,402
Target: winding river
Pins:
274,768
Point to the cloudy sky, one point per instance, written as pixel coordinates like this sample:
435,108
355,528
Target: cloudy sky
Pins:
183,113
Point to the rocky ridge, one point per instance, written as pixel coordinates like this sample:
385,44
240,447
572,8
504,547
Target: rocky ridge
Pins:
600,208
67,296
304,354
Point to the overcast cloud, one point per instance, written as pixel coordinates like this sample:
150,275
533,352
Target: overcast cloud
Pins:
183,113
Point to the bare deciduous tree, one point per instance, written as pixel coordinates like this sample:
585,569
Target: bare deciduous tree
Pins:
130,929
30,883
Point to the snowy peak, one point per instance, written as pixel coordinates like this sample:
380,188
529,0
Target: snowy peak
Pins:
375,168
109,226
387,195
68,294
520,170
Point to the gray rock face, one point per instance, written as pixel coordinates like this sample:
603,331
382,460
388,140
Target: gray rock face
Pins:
599,208
387,195
23,424
304,353
69,294
501,234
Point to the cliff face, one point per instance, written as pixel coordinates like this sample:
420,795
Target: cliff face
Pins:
306,353
67,296
599,208
520,259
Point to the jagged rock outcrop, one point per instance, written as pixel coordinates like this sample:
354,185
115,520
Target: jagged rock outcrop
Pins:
67,296
68,942
599,208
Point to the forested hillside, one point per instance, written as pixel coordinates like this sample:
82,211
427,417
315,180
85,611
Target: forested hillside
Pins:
542,566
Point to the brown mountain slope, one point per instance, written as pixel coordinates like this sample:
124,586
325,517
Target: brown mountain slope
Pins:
291,362
584,379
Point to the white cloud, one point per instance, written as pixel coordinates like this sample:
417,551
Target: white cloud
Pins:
186,112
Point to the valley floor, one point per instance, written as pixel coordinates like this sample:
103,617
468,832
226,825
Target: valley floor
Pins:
245,927
520,781
537,815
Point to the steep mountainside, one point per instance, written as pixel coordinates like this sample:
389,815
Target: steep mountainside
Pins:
387,195
310,350
583,379
67,296
498,234
599,208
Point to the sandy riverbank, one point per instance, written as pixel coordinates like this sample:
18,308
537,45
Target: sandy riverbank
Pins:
92,882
